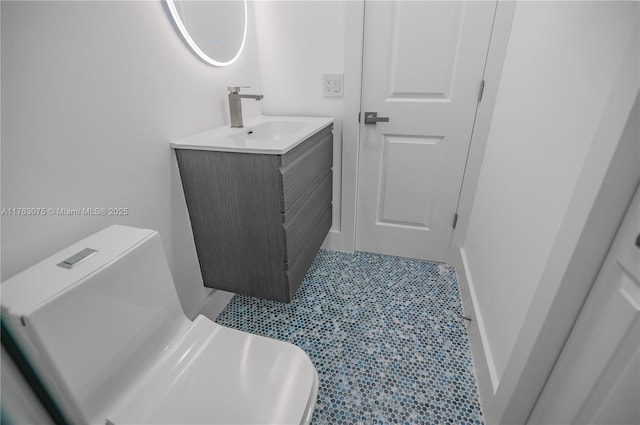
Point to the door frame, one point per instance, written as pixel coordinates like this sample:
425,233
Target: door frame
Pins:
343,237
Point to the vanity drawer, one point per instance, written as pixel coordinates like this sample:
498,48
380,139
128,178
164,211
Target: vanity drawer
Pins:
297,266
303,147
305,165
300,218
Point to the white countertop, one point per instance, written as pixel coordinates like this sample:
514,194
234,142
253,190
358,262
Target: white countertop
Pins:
261,134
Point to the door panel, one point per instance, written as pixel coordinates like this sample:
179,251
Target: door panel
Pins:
426,76
406,160
422,68
597,377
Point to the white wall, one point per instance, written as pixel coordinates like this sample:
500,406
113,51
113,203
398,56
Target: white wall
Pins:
92,92
299,41
561,61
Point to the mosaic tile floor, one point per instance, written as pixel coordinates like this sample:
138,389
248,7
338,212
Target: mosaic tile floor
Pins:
384,335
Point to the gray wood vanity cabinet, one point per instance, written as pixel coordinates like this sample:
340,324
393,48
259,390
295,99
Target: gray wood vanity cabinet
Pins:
258,220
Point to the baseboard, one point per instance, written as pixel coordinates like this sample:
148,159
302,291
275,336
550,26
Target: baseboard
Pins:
485,372
213,304
337,241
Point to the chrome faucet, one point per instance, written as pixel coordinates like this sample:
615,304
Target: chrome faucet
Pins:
235,104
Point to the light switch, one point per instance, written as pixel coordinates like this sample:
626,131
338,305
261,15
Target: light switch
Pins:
332,85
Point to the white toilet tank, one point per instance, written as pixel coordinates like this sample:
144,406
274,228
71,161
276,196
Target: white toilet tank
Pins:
91,329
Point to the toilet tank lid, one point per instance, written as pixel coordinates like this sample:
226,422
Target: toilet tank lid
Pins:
26,291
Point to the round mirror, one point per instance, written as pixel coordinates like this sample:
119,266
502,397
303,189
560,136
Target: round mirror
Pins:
214,29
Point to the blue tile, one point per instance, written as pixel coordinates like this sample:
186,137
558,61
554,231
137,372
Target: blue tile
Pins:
383,333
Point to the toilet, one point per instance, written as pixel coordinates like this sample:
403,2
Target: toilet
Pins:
102,325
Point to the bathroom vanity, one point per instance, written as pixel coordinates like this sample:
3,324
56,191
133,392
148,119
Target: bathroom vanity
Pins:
259,200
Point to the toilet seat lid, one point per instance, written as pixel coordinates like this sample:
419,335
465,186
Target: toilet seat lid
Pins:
215,374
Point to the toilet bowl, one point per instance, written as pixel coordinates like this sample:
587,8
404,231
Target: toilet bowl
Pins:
102,325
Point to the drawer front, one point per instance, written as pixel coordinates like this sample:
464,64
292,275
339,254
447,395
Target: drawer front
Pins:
305,167
298,265
301,149
299,220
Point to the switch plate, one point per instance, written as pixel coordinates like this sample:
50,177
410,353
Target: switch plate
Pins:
332,85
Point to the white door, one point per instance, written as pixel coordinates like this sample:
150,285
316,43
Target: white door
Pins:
597,377
423,63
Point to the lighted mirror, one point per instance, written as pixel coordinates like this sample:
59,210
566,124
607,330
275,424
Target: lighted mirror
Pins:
214,29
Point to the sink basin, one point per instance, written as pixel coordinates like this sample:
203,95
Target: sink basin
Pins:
262,134
270,130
